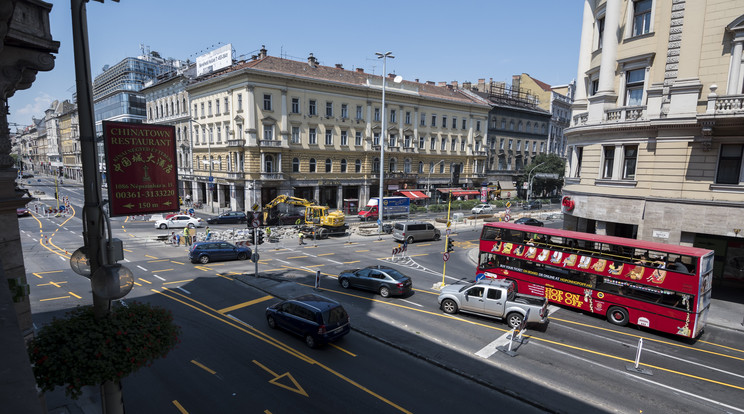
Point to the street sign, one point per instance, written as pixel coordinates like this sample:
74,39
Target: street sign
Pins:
449,223
445,256
508,204
191,211
255,223
480,276
449,231
255,257
255,207
547,175
507,217
211,179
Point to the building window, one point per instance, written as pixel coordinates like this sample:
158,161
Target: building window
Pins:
209,107
312,165
519,145
454,122
376,166
295,165
240,102
511,126
268,133
534,146
393,141
295,105
312,137
408,117
358,139
312,108
227,104
519,127
433,144
393,165
329,109
441,168
376,139
217,106
641,17
462,145
328,165
501,144
464,124
344,111
219,134
267,102
433,120
634,87
503,124
377,115
407,165
600,31
453,145
422,119
344,138
477,125
630,157
421,167
511,144
609,161
421,143
295,135
444,144
329,138
729,164
359,112
358,166
343,165
407,141
579,159
392,116
202,109
444,121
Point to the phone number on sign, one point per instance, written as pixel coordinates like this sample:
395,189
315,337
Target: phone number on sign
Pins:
144,194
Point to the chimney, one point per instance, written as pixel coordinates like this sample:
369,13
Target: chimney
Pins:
339,66
482,85
391,75
515,82
429,83
454,84
312,61
467,85
360,70
262,52
417,81
442,84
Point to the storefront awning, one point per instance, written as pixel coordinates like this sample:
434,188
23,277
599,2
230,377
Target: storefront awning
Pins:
413,195
465,193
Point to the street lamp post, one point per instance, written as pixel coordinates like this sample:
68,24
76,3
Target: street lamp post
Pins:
529,179
383,135
209,154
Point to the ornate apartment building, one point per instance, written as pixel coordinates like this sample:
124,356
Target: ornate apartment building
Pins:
271,126
656,143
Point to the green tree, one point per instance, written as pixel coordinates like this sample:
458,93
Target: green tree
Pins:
544,163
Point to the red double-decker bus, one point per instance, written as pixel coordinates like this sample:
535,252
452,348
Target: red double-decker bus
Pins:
659,286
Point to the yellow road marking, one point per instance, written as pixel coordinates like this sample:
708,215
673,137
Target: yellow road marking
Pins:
423,245
128,251
203,367
55,284
180,408
151,257
326,254
146,281
355,261
318,265
379,241
61,297
244,304
159,260
276,343
74,295
297,257
417,255
179,281
360,251
162,270
297,387
137,284
51,271
173,261
341,349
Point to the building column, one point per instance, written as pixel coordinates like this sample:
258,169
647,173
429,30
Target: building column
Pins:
340,197
606,97
733,81
250,111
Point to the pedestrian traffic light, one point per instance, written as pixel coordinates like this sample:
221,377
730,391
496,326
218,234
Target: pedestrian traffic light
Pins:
450,245
260,237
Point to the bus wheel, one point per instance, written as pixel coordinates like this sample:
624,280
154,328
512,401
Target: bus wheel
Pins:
617,316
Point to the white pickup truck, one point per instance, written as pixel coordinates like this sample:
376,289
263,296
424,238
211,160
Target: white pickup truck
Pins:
495,298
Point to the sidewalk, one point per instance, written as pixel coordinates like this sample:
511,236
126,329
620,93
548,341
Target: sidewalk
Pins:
726,310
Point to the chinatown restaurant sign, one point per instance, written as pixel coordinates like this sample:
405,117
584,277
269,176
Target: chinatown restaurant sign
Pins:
141,163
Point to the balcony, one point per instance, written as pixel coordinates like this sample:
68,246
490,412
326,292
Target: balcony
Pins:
235,175
580,119
726,105
235,143
272,176
270,143
627,113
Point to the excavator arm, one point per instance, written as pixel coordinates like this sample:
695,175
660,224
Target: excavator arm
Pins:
285,199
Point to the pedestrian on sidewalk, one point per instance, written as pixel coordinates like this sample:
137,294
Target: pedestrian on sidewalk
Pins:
172,238
302,238
178,240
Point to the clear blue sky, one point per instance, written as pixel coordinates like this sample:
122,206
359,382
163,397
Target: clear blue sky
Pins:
432,40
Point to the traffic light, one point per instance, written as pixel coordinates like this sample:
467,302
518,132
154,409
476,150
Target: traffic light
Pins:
450,245
260,236
251,235
249,219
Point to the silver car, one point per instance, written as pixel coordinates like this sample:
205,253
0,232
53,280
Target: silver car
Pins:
179,221
483,209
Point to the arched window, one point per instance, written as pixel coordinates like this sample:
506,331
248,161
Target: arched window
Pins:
358,166
511,125
441,168
407,165
312,165
328,165
295,165
268,163
519,126
421,167
343,165
376,166
393,164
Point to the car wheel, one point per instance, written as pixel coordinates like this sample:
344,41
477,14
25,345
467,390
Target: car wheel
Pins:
514,319
345,283
270,320
242,256
310,341
437,236
163,226
449,306
617,316
204,259
409,240
385,292
191,225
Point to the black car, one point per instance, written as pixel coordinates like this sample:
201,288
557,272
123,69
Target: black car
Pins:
209,251
317,319
529,221
532,205
385,280
229,217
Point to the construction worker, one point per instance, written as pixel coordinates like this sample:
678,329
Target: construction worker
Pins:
187,236
209,233
302,238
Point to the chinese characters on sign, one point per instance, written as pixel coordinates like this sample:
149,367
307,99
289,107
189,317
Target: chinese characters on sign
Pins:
141,163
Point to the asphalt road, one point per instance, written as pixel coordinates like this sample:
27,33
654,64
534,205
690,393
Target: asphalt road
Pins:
404,354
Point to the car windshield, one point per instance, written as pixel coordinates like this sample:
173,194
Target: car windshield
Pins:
466,287
335,315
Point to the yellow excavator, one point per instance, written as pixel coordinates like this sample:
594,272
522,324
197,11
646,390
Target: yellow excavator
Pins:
318,221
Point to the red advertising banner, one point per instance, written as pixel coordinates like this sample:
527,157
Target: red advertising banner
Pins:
141,162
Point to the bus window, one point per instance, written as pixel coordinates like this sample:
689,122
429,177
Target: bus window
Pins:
514,236
490,233
489,260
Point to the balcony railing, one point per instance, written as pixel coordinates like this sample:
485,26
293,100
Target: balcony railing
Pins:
580,119
270,143
272,176
235,143
729,104
626,113
234,175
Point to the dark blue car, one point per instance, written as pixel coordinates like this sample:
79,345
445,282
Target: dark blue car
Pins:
210,251
317,319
